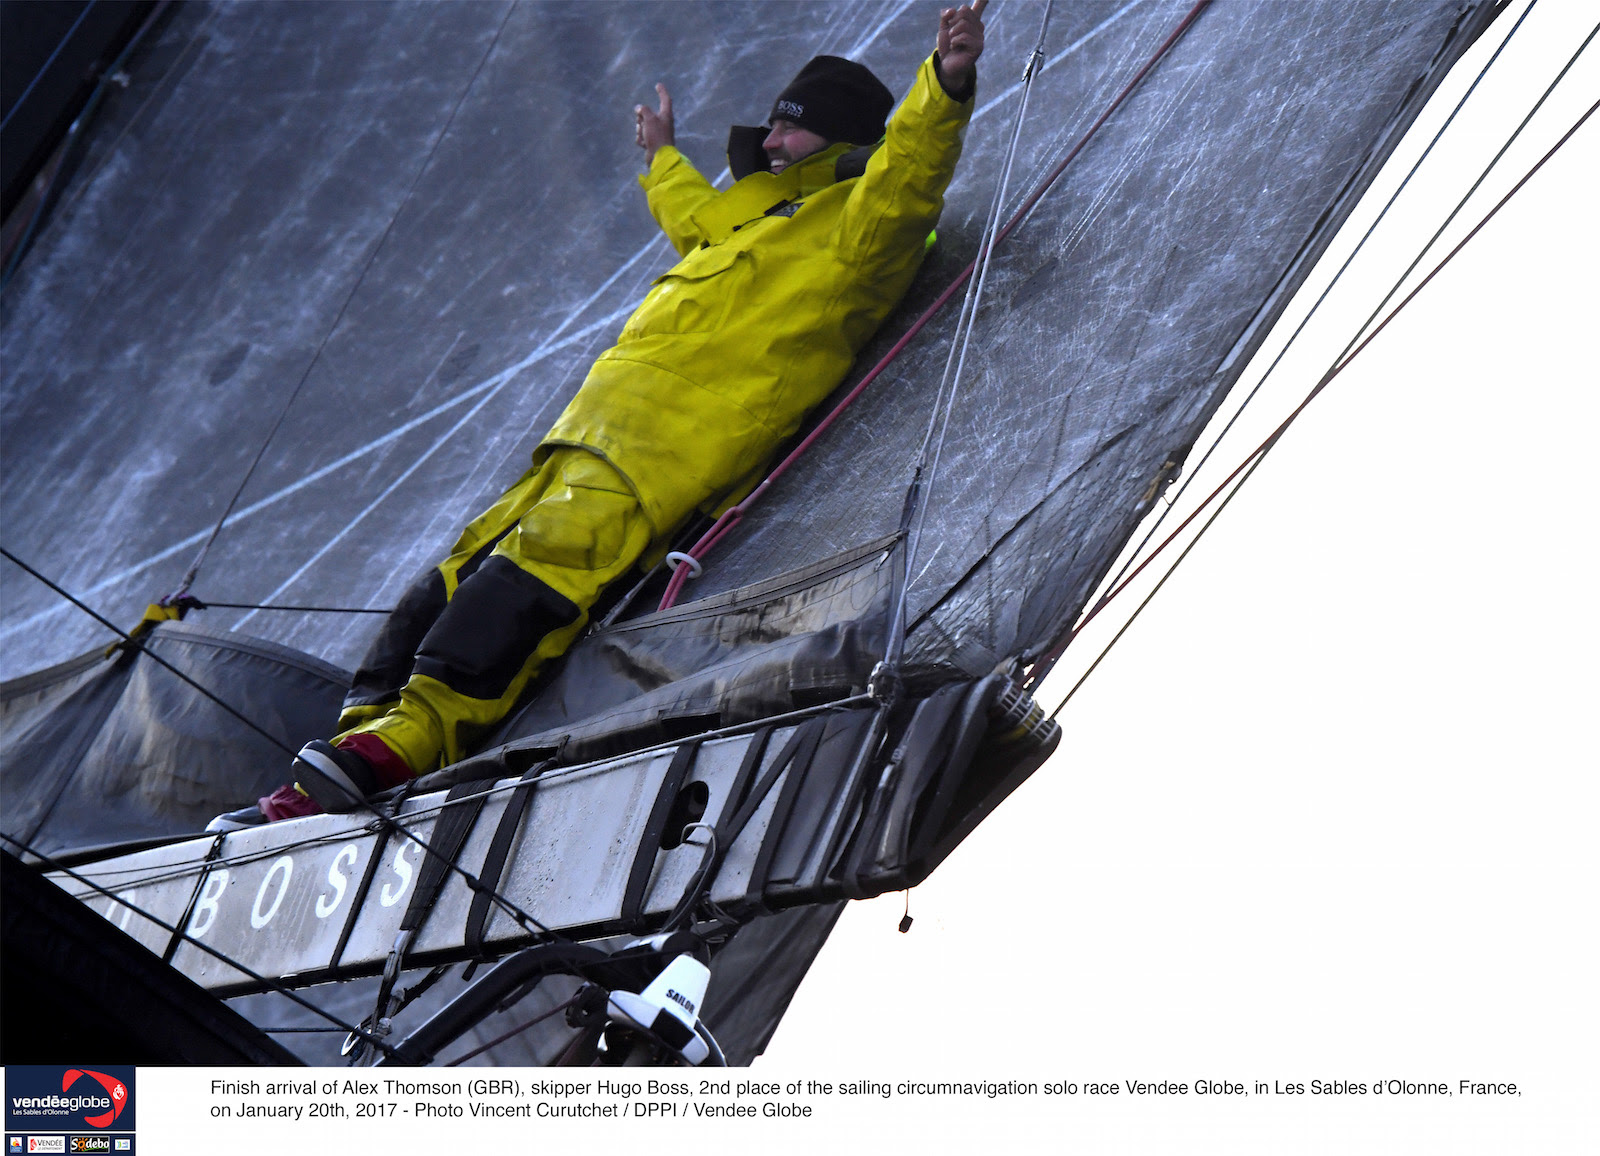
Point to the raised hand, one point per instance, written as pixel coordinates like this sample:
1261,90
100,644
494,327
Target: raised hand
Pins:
651,130
960,44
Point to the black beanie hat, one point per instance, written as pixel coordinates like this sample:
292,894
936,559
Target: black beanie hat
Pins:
837,99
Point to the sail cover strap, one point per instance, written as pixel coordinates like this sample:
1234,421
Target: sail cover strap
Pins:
462,805
181,927
494,863
650,841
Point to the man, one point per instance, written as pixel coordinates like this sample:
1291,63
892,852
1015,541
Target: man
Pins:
783,277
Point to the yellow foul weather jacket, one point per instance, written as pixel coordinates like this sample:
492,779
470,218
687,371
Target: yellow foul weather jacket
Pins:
784,277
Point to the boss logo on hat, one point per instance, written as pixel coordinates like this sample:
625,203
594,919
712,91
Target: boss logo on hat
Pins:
788,110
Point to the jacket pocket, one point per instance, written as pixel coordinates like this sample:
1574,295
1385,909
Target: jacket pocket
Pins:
694,296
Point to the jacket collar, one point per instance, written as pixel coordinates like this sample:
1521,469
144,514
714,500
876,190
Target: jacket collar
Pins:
751,196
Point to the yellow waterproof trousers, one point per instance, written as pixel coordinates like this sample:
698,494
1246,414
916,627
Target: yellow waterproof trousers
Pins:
515,591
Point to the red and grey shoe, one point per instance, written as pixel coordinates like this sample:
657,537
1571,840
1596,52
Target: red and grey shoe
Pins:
336,779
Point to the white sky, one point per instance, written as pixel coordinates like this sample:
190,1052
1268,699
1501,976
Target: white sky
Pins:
1328,809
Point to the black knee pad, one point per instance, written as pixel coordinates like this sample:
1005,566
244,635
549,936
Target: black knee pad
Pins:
495,621
387,663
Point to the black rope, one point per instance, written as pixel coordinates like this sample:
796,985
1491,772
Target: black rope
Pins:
194,567
210,605
1339,365
1037,675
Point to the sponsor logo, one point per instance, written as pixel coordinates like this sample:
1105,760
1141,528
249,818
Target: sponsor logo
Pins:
16,1144
682,1001
61,1099
789,110
47,1143
90,1144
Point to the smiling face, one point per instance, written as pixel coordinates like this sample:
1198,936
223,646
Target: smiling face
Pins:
788,143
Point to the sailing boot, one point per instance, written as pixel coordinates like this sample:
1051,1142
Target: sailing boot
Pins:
241,820
336,779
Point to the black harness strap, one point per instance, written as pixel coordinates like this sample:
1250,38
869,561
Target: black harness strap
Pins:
644,859
796,758
462,806
181,927
494,863
380,843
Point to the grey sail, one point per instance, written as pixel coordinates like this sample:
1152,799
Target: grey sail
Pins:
393,227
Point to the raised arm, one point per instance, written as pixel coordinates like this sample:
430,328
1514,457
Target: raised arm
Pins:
958,47
673,187
901,193
652,129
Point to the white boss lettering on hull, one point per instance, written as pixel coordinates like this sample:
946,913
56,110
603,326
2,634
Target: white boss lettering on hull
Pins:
259,918
205,908
390,895
326,904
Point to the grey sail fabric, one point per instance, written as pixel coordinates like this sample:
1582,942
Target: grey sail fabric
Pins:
440,250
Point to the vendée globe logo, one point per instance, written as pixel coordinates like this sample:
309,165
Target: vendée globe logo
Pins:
87,1097
115,1089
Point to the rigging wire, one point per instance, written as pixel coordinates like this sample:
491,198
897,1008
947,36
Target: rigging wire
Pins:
156,658
1345,355
208,604
267,981
955,362
178,66
730,518
518,1030
194,567
1260,453
45,67
1043,667
46,198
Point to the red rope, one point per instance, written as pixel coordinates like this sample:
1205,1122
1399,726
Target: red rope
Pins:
734,514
